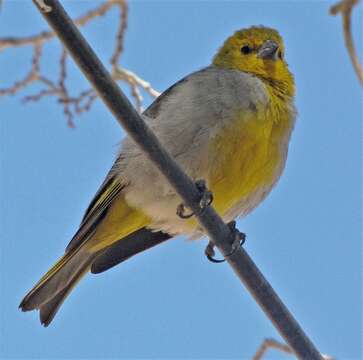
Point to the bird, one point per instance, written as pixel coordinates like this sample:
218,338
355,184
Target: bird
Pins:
229,123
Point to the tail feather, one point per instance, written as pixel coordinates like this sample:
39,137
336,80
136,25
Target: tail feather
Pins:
48,310
140,240
59,280
52,289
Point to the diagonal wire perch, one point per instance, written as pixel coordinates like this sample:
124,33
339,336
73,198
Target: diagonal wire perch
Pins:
345,7
215,228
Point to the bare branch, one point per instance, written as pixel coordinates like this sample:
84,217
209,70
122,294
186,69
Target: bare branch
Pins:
33,74
271,344
134,81
63,89
127,75
345,8
45,36
75,104
268,344
120,35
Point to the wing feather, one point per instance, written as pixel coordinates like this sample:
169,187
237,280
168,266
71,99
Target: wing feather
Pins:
97,210
112,186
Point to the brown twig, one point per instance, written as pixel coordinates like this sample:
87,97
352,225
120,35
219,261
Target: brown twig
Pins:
115,59
345,8
64,92
268,344
33,74
48,35
75,105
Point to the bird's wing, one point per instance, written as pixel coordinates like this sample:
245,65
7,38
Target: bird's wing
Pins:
112,187
137,241
153,110
98,208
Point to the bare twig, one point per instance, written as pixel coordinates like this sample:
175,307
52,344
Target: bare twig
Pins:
123,74
75,104
345,8
48,35
33,74
271,344
268,344
115,59
64,92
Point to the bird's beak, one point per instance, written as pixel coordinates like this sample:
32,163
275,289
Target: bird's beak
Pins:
268,50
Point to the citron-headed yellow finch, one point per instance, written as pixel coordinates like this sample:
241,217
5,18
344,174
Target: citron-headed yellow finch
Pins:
229,124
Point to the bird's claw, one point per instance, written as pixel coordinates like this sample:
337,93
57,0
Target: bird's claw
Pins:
181,212
206,198
239,238
210,253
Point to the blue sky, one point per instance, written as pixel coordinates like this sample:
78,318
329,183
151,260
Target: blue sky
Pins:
171,302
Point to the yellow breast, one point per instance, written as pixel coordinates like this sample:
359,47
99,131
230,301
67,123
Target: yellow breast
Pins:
249,154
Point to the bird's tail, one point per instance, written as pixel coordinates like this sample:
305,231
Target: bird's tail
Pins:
52,289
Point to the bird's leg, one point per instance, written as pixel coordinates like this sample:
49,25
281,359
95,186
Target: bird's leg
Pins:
239,239
206,198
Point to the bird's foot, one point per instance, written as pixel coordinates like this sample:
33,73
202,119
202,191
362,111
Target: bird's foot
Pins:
206,198
210,253
239,239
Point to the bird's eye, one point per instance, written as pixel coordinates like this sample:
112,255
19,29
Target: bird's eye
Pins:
245,49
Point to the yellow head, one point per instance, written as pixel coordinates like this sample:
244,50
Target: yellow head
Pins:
259,51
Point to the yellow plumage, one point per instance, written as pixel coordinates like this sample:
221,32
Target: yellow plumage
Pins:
121,221
228,124
252,155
